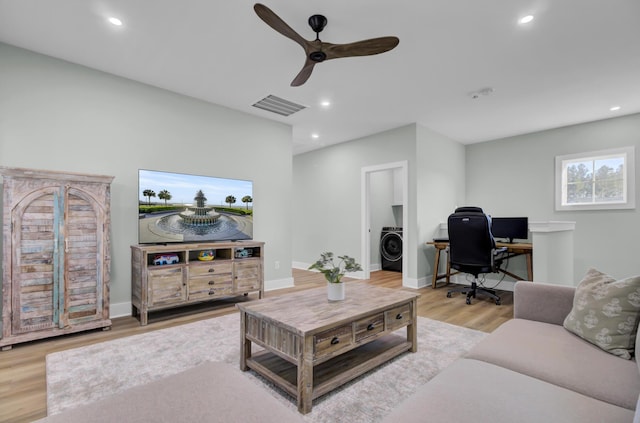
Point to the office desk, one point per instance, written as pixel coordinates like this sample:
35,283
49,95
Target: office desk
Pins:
513,249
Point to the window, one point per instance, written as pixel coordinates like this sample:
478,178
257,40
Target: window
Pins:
596,180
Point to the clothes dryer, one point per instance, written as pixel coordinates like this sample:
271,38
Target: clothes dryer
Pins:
391,248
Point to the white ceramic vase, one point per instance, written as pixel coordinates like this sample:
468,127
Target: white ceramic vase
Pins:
335,291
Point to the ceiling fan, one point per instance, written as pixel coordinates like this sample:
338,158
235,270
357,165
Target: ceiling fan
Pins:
317,51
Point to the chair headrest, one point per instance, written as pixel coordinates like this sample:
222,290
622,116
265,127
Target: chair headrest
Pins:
469,209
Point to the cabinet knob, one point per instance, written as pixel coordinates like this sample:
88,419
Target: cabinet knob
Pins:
335,340
399,316
211,270
371,326
211,282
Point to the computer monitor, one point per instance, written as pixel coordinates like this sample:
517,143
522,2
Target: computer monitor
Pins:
510,228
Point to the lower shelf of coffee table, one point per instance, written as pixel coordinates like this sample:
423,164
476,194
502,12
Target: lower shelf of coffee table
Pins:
332,373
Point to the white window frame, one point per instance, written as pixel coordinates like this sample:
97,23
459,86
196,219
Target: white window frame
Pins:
629,190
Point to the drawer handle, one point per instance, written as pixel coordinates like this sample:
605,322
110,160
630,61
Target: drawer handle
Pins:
211,292
211,282
335,340
212,270
371,326
399,316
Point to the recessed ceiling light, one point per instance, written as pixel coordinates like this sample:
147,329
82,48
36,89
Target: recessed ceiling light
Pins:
525,19
614,108
115,21
325,103
315,136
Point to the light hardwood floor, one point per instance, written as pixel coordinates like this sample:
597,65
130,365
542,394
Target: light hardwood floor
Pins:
22,369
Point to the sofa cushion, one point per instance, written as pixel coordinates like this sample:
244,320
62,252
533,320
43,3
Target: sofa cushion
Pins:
476,391
210,392
606,312
551,353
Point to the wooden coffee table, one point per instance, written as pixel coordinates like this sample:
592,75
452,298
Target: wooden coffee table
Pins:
310,346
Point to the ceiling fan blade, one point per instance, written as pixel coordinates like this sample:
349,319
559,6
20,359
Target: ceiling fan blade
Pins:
274,21
304,74
360,48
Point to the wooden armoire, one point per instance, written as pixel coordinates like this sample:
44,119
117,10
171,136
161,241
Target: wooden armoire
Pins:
56,253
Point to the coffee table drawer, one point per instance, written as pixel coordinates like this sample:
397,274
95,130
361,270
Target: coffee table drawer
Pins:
332,340
398,317
369,326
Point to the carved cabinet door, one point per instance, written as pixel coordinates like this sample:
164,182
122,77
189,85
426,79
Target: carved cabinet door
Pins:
35,265
58,262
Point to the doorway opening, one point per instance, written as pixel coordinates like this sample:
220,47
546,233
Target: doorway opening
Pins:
399,210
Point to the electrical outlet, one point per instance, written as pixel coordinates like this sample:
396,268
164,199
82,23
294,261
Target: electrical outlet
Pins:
277,265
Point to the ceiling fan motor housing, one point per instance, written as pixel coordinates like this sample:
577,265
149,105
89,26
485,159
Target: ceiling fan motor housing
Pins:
317,23
317,56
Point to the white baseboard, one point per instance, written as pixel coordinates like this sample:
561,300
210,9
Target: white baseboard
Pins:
272,285
305,266
415,283
300,265
119,309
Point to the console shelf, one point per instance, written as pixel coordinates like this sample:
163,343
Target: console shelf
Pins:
174,275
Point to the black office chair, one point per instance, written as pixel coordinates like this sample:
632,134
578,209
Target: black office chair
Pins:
472,249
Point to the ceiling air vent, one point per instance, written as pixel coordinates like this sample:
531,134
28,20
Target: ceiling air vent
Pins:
278,105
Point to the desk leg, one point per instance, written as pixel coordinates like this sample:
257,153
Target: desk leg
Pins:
530,266
436,267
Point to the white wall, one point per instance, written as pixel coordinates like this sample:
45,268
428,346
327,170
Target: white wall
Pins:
441,188
327,194
507,177
515,177
60,116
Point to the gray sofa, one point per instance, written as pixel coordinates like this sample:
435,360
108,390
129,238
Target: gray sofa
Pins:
530,369
209,392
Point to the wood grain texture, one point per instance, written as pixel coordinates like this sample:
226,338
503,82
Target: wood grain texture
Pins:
158,287
22,369
308,330
56,254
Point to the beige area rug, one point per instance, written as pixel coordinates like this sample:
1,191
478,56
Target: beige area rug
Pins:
86,374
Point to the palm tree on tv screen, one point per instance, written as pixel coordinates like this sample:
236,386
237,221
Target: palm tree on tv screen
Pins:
164,195
149,193
230,200
247,199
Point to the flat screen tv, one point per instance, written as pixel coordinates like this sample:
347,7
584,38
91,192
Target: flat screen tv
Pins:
510,228
179,207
